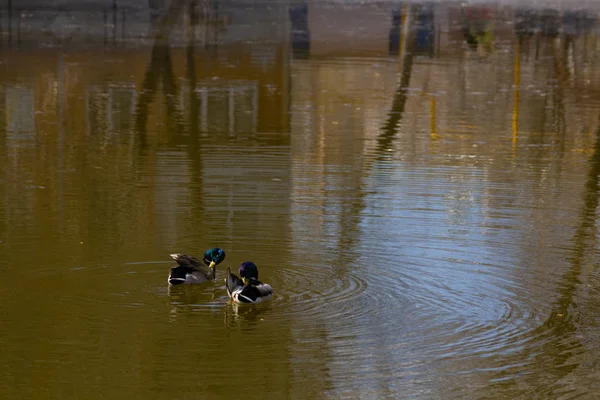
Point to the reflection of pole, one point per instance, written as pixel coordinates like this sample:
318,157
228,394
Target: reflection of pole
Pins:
114,7
194,148
123,28
191,68
60,94
434,134
19,28
214,23
403,32
516,83
9,11
299,30
561,58
105,26
438,41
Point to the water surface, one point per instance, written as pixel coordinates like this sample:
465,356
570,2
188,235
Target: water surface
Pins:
419,185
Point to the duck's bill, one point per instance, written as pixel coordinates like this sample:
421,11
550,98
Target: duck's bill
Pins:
212,267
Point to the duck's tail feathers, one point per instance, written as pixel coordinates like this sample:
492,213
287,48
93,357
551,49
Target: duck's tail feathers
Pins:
232,282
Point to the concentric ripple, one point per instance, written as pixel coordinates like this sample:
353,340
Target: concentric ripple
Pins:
311,290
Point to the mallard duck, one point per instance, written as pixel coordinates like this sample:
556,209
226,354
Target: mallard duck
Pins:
248,289
190,270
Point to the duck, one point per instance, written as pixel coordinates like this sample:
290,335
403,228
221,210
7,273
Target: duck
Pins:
190,270
247,289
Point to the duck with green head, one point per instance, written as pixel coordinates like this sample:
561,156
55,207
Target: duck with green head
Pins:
247,289
190,270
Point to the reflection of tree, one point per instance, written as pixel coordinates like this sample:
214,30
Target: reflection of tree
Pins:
160,70
562,323
558,335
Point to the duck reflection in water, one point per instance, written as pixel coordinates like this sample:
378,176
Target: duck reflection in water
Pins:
187,300
241,315
186,295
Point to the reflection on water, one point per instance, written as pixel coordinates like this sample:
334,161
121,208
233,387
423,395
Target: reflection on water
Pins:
418,182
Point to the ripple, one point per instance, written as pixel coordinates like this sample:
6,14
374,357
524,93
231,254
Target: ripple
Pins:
311,291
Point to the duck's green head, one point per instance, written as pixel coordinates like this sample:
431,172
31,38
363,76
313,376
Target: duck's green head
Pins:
248,272
214,257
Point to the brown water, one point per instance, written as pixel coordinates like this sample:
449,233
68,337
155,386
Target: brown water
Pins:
427,218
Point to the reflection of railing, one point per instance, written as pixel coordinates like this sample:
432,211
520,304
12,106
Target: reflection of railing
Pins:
19,115
110,108
111,22
73,22
231,106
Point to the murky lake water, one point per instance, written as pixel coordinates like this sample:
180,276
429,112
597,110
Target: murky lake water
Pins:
419,185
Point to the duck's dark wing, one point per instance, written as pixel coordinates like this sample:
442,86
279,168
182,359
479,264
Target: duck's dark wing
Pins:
265,290
232,282
185,260
188,261
255,294
179,274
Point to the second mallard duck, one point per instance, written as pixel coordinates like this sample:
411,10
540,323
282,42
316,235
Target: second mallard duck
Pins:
248,289
190,270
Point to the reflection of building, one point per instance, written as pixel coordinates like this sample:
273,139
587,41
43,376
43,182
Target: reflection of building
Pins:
230,106
249,98
110,108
